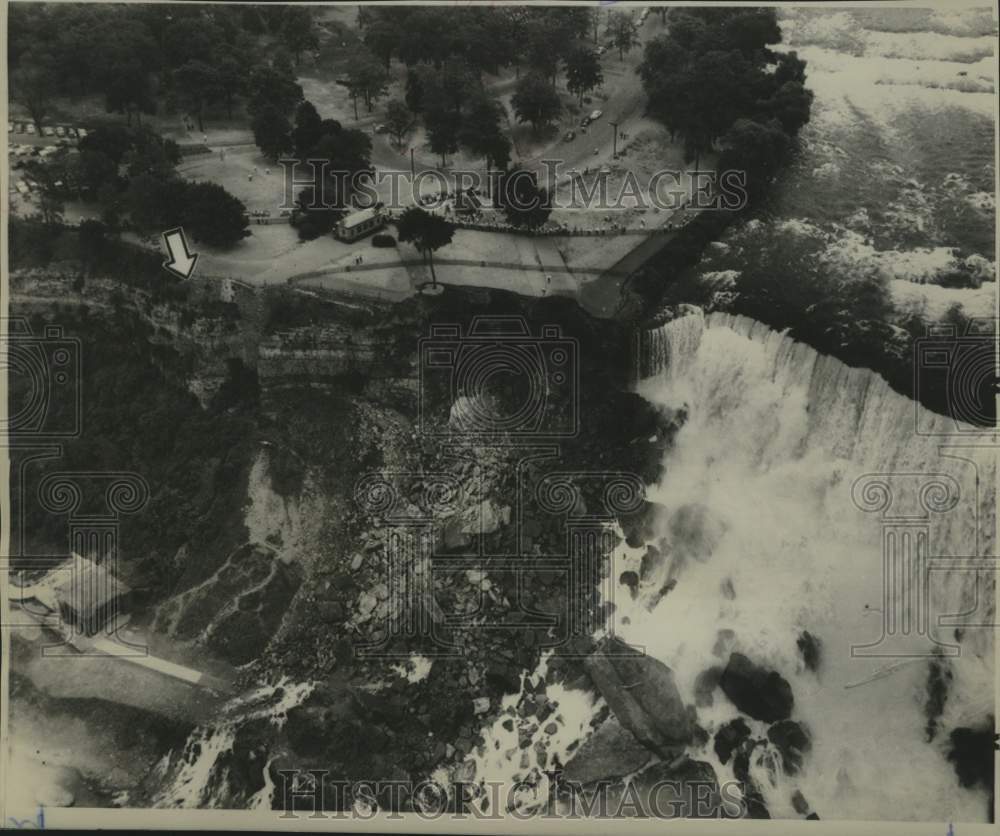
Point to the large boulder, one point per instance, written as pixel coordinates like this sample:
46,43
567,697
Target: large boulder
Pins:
610,752
756,691
730,737
793,741
643,696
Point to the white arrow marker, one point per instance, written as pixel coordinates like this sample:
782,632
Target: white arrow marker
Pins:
182,261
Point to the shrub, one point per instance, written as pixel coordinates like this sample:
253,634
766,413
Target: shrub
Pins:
383,239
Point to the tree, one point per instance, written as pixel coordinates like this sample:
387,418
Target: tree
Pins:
623,33
298,32
34,86
414,91
198,85
583,71
93,240
154,204
382,31
427,232
212,215
480,130
398,119
110,140
93,169
232,80
755,148
366,79
342,156
274,87
525,203
51,206
129,92
535,101
308,129
442,132
272,132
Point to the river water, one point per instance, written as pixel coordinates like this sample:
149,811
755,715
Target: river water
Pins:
896,169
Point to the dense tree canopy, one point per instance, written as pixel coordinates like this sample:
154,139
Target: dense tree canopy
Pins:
339,156
714,79
193,56
535,101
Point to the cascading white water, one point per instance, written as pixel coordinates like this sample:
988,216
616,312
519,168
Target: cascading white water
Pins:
774,440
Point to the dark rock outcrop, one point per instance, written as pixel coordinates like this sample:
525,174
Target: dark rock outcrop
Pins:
811,649
610,752
630,579
704,684
939,678
761,693
730,737
793,741
972,755
643,696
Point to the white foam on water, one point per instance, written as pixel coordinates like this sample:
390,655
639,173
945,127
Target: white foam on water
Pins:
775,437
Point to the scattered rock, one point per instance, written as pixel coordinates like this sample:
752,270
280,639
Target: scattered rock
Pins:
480,705
811,649
727,589
730,737
367,603
642,694
551,728
631,580
332,611
972,755
754,690
356,562
723,642
793,741
695,531
704,684
610,752
506,678
651,563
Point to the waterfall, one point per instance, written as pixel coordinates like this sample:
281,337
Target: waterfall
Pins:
817,482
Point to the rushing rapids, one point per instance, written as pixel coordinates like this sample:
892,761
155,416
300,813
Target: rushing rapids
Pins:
811,480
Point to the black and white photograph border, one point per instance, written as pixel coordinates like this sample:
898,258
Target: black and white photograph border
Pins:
474,417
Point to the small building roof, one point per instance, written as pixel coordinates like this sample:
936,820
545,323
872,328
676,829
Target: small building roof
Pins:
87,582
356,218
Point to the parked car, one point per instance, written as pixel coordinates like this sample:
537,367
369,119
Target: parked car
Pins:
71,133
60,130
601,50
81,132
48,130
585,121
30,127
595,115
10,127
381,129
569,136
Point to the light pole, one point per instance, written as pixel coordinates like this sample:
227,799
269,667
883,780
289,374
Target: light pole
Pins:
614,140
